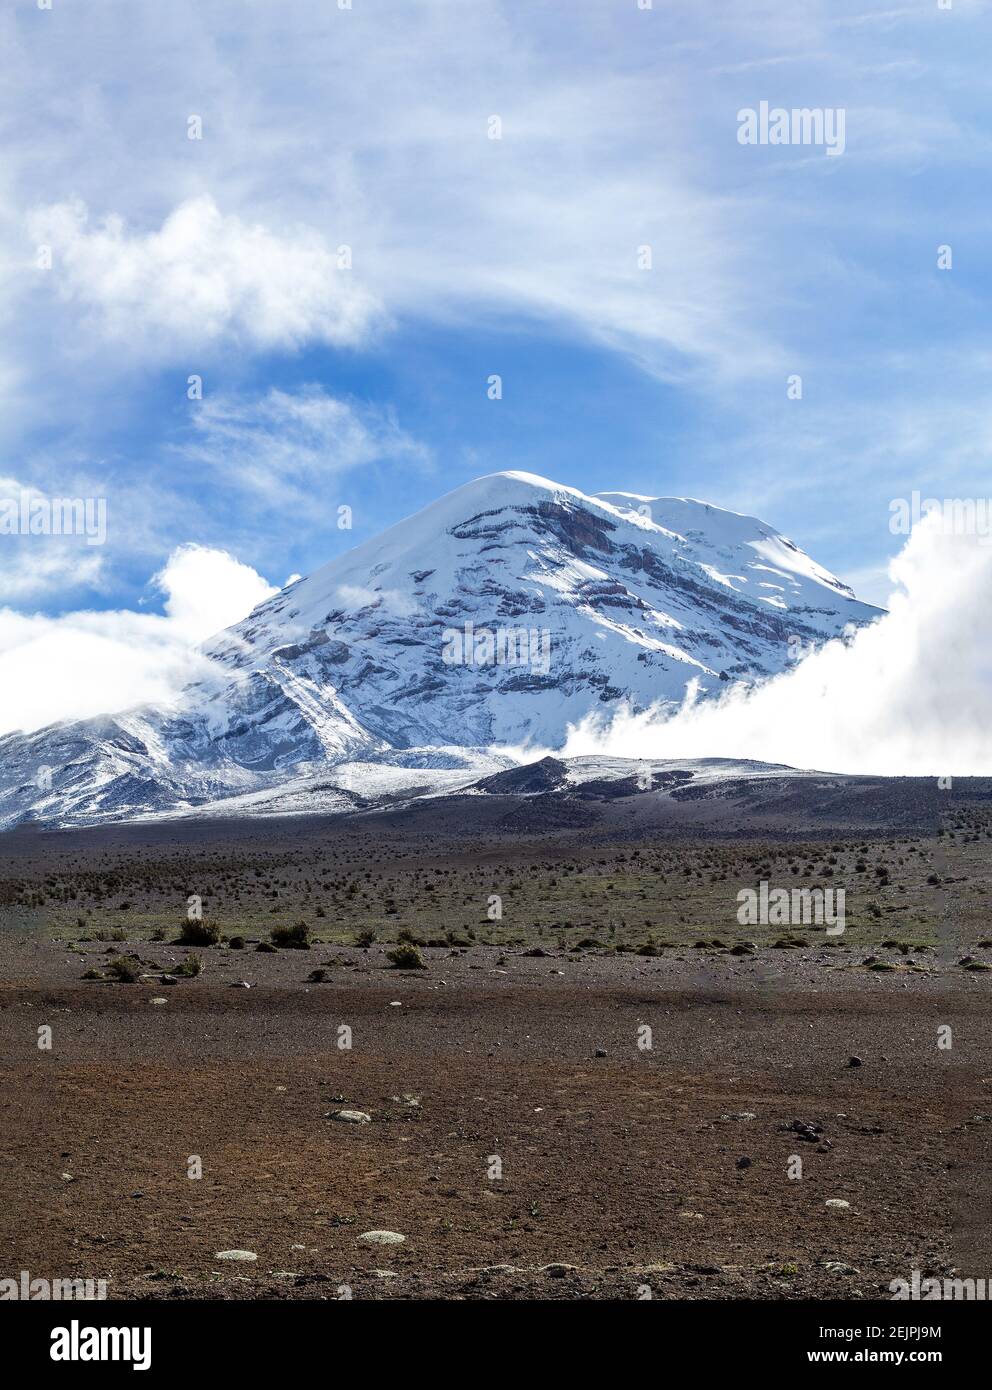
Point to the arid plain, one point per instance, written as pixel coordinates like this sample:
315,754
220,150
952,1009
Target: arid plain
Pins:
603,1087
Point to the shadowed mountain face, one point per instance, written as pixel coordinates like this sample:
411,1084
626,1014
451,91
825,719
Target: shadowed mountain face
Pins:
503,613
547,775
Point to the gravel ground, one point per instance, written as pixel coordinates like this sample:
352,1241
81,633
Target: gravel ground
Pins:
515,1159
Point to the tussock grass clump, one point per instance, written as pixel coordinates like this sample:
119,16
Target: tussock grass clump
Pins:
199,934
406,956
124,969
294,938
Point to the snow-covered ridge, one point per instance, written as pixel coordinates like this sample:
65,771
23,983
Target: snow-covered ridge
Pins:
497,616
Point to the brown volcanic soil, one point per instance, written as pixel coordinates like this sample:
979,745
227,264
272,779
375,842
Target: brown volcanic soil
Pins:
624,1167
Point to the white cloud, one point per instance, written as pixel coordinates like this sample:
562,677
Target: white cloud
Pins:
202,276
46,565
392,601
284,443
207,590
47,562
84,664
372,131
909,695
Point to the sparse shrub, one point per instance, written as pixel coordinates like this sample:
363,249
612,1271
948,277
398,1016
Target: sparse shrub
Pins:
318,977
295,938
92,974
406,957
123,969
192,965
199,934
266,947
366,937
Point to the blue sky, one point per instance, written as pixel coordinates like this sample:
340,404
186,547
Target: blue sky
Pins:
369,128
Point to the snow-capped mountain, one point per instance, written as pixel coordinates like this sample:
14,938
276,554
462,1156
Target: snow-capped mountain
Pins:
497,616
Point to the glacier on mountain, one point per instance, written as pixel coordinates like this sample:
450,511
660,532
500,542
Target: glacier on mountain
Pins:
596,603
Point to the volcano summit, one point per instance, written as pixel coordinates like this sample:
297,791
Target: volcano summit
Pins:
398,653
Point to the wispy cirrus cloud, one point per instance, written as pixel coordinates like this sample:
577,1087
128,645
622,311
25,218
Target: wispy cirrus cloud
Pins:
46,543
281,444
621,136
36,569
527,192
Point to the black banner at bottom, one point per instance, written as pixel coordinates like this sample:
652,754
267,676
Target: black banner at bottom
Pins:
162,1338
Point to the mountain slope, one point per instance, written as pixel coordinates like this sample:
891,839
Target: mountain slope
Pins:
633,608
498,615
